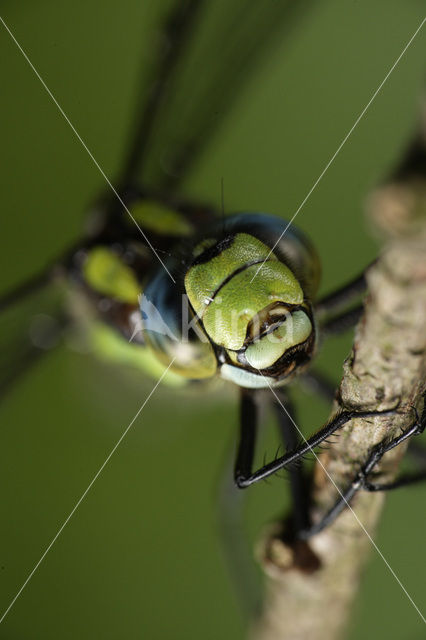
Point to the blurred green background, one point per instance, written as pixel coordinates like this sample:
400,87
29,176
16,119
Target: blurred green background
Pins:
141,556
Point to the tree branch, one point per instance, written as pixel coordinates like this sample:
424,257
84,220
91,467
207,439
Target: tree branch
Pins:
386,369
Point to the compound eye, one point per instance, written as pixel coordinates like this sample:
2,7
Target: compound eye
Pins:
193,358
264,352
191,353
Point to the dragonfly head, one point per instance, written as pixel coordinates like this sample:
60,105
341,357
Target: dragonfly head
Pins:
239,308
252,308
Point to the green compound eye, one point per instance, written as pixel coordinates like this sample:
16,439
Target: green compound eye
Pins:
226,319
265,352
209,274
184,344
226,291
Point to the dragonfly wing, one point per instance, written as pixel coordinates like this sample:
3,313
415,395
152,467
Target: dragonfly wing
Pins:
212,49
29,329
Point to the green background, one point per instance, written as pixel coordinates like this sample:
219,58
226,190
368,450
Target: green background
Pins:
141,556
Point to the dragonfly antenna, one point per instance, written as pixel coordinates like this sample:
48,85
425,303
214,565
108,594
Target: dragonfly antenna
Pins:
222,194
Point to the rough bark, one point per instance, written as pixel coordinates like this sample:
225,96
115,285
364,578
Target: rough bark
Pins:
386,369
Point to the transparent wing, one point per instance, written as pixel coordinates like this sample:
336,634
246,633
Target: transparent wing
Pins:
30,327
207,52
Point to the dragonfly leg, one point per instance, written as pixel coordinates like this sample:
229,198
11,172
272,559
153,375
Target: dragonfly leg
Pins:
342,322
361,482
299,484
345,295
244,476
417,452
24,289
332,310
318,383
249,412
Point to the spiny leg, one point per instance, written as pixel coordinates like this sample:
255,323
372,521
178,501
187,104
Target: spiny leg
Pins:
361,479
334,301
333,315
298,482
316,382
404,480
419,453
244,476
342,322
248,435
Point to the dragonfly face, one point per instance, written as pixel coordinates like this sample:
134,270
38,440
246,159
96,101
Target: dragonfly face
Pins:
222,318
248,312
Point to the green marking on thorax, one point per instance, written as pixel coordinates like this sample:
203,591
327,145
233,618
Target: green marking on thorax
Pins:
109,344
157,217
108,275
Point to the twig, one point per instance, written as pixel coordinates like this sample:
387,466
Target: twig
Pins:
310,587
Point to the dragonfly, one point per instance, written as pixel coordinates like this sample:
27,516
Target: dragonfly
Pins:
246,283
